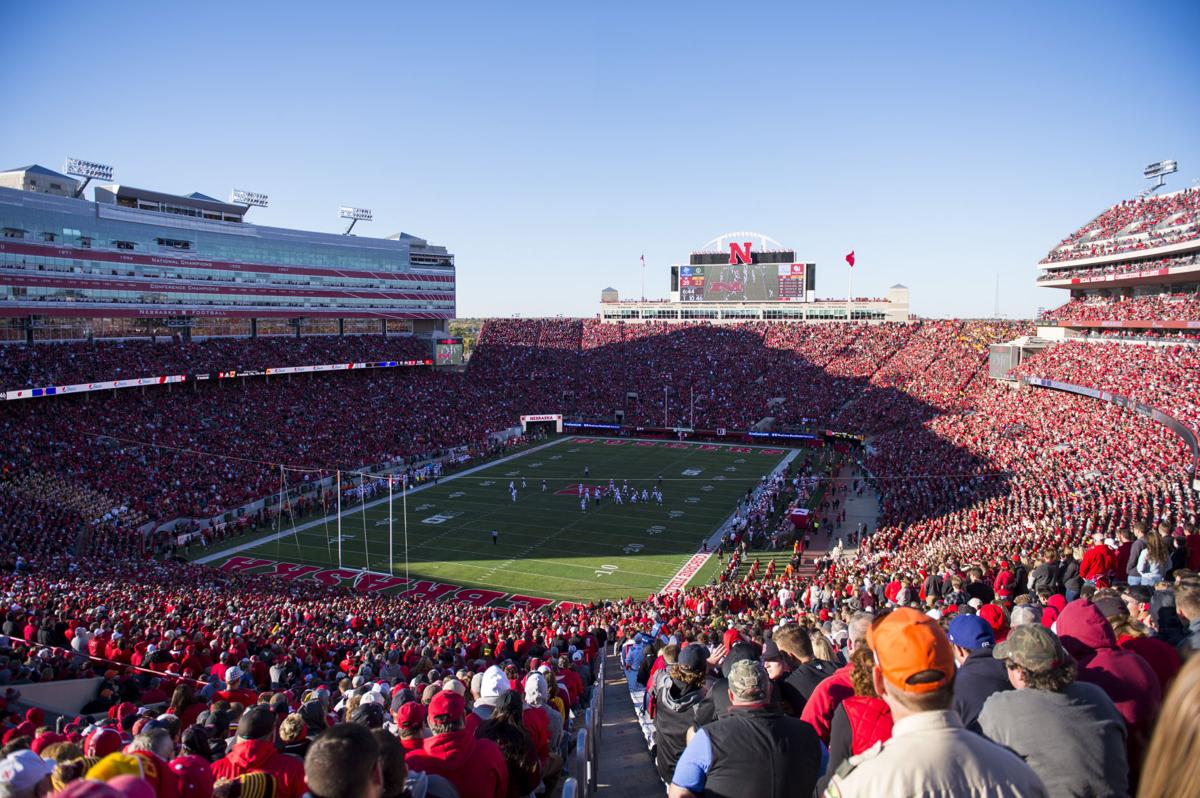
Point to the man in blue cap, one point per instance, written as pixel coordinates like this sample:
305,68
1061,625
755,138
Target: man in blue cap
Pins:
979,673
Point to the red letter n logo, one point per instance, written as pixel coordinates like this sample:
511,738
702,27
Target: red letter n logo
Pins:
739,254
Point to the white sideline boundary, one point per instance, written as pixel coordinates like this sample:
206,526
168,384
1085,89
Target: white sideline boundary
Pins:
698,560
250,544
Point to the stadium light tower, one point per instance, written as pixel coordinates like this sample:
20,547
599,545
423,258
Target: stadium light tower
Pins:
248,199
87,170
1159,171
355,215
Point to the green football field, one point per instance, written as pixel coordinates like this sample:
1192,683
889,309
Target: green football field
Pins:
548,548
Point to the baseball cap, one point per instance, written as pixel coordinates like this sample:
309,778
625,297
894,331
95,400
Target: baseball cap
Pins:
1111,606
256,722
739,651
971,632
21,771
411,714
909,644
1033,647
693,657
370,715
771,652
748,681
233,676
448,703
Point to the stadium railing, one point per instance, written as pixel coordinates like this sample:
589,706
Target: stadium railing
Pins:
571,789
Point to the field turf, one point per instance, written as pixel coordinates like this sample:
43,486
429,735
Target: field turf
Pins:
548,548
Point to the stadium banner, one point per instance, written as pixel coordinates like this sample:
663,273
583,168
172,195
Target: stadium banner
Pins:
542,417
171,379
85,387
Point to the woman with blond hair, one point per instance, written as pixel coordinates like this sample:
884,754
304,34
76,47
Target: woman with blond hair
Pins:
1172,767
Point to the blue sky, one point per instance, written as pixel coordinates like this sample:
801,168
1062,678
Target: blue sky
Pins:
549,145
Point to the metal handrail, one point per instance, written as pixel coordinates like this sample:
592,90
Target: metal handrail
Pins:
571,789
581,761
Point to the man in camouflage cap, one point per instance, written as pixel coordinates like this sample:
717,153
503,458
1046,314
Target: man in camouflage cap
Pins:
754,750
1069,732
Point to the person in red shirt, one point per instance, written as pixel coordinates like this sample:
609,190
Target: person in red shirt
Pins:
235,691
1098,563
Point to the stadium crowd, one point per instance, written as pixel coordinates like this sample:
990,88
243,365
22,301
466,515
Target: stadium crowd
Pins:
1042,547
1134,225
1183,306
1088,273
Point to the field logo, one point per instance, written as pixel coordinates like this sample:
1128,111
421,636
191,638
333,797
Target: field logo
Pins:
739,254
657,529
440,518
633,548
675,514
691,472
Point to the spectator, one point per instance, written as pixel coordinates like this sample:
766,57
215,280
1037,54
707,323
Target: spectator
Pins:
807,671
1187,606
506,729
255,751
344,762
24,774
818,711
1173,759
678,701
476,768
754,750
1153,561
929,752
1069,732
979,673
862,720
1127,678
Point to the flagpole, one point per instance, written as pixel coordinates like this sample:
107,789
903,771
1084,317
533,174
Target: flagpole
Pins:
339,513
391,529
643,278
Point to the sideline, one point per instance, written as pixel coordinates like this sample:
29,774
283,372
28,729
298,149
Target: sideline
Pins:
698,560
250,544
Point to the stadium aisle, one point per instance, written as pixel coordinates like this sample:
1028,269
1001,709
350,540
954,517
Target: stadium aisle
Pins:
624,765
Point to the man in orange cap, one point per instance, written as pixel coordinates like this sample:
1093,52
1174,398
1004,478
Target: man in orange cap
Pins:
929,753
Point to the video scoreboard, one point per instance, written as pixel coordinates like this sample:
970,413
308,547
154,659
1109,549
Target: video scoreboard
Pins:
448,351
744,282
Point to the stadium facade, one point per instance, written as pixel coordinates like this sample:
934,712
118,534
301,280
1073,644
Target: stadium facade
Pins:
142,262
747,276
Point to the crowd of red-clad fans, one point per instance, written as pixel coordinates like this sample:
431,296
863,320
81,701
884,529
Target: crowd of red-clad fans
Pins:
1089,273
1000,509
1134,225
1182,306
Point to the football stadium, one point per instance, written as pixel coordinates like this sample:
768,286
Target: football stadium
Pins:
280,520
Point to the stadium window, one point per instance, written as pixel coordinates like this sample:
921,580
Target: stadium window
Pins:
13,232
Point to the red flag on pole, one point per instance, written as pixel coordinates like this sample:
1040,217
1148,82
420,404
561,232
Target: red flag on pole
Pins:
850,259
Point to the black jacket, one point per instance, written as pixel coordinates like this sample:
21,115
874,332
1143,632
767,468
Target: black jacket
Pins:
673,716
758,751
980,675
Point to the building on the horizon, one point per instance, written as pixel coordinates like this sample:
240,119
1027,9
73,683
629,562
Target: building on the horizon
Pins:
138,262
730,279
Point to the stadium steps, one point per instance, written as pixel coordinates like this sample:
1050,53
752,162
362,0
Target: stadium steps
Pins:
624,767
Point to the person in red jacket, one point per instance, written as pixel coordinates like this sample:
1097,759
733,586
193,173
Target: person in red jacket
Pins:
1127,678
476,768
830,693
255,751
1099,563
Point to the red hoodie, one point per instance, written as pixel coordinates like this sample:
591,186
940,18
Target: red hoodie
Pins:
1127,678
476,768
252,756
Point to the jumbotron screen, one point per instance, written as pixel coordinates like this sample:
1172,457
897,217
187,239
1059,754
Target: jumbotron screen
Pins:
745,282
